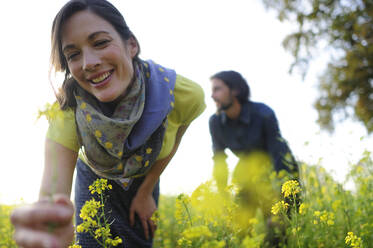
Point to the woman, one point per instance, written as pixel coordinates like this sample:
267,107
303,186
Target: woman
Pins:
122,119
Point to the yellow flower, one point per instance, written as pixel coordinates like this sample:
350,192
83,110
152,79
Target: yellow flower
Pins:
138,158
166,79
146,163
330,222
336,204
113,242
109,145
90,209
302,208
98,133
196,232
253,221
148,150
120,166
83,105
75,246
316,213
353,240
183,242
295,230
155,217
88,117
279,207
324,217
99,186
102,232
290,188
94,219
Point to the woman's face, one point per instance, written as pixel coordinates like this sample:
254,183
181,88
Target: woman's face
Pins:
97,57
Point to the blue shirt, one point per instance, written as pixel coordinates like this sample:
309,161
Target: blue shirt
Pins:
256,129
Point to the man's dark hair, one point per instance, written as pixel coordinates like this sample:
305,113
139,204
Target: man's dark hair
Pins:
235,81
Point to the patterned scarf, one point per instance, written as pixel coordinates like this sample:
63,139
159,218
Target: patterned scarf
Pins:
127,143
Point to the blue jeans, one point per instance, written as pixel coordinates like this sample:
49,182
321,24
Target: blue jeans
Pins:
117,205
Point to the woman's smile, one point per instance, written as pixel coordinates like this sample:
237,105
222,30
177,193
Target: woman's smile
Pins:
98,58
101,79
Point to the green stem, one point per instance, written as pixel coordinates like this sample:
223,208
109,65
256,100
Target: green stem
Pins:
189,216
98,241
103,215
296,220
99,226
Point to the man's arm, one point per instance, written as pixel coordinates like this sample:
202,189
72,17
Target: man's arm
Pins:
220,170
277,146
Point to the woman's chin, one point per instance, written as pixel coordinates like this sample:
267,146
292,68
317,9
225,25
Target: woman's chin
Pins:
106,99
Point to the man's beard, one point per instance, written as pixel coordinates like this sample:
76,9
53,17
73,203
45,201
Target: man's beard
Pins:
226,106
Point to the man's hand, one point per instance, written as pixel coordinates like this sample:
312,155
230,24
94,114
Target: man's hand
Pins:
44,223
220,174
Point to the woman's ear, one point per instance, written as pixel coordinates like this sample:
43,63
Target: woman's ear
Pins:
132,46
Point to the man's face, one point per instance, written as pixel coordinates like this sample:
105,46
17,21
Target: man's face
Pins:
221,94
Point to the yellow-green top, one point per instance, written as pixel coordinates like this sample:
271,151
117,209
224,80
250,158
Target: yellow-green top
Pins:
189,104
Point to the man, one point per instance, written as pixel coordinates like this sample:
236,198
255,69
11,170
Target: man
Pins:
245,127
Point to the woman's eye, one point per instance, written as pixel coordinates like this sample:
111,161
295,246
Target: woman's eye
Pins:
101,43
72,56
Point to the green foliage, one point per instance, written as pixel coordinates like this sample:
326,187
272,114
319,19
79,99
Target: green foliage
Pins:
346,28
6,229
328,215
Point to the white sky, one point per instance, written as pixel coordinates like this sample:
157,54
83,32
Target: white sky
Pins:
195,37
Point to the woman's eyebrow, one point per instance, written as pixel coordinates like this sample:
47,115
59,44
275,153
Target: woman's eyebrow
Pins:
68,47
93,35
90,37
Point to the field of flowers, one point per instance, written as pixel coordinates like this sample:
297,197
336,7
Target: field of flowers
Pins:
326,216
317,212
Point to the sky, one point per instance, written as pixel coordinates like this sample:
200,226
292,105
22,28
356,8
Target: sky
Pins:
197,39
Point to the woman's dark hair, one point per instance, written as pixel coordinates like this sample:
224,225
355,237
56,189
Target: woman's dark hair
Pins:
101,8
235,81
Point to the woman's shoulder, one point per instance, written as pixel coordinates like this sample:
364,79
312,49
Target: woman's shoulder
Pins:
189,101
62,126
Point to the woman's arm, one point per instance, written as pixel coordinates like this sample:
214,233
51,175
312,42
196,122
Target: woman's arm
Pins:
48,222
58,170
143,203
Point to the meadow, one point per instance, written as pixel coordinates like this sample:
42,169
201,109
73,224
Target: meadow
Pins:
316,212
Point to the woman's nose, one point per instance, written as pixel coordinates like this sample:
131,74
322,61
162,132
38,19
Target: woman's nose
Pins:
90,61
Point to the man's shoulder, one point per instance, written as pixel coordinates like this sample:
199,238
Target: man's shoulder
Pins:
214,119
261,109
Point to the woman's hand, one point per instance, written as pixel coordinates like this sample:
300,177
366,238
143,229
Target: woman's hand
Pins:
44,223
143,204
